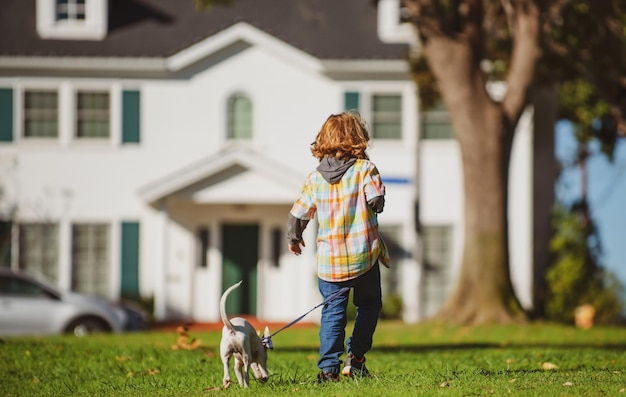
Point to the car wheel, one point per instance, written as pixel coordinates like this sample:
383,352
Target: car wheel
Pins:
87,325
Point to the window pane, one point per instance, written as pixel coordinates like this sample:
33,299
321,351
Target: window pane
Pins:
387,117
90,258
92,115
437,248
436,123
239,117
70,10
39,249
41,114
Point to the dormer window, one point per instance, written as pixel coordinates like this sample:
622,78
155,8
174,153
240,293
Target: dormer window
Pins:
392,23
70,10
72,19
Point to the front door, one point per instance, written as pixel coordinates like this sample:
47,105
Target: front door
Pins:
241,254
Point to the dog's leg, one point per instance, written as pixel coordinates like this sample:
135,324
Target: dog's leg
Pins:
246,370
239,372
226,362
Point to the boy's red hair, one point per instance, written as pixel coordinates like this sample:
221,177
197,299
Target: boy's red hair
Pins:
343,136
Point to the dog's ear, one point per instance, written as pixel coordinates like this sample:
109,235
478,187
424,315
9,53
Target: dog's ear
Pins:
266,332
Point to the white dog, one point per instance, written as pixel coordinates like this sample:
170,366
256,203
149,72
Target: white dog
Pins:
239,339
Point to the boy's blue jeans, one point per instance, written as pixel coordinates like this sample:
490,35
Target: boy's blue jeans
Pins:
368,301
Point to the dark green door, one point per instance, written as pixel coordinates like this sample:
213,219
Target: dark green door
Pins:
241,254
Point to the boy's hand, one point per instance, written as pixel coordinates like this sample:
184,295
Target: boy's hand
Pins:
294,247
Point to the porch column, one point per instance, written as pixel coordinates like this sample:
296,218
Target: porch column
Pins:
160,274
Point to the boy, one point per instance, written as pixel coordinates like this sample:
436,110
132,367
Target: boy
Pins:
346,193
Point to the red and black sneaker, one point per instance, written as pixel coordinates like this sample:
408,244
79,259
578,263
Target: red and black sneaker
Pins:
354,366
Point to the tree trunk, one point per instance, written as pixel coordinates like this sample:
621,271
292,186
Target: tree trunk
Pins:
484,293
545,173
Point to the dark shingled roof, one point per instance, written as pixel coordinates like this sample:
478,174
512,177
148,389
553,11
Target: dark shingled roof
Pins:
326,29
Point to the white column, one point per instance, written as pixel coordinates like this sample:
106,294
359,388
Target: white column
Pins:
160,287
65,254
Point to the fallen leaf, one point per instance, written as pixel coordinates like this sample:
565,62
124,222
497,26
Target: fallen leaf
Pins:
152,371
548,366
568,384
622,390
512,380
122,359
491,391
444,384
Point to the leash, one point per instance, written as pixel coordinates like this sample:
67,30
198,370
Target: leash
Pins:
267,340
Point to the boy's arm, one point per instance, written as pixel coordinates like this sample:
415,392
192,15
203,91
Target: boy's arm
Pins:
295,227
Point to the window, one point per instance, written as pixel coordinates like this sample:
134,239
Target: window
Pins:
41,114
70,10
72,19
92,114
437,248
39,249
90,258
387,116
436,123
11,286
239,117
384,111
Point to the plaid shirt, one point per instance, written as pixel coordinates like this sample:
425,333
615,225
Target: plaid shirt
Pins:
348,243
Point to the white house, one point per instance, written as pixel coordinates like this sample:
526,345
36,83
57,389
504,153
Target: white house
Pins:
150,149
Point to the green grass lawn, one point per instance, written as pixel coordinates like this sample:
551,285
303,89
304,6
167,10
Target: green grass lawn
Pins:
407,360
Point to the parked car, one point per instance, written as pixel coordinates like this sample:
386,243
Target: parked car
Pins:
32,306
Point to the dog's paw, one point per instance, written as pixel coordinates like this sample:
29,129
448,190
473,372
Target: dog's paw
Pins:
227,383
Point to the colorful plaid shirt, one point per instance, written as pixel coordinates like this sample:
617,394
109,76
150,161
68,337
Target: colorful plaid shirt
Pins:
348,243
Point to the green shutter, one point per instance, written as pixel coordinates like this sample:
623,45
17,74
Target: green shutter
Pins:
6,115
130,260
5,243
351,101
130,116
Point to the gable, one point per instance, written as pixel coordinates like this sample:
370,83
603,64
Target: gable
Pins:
233,176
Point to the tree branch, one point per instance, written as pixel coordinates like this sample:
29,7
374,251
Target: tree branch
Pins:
524,57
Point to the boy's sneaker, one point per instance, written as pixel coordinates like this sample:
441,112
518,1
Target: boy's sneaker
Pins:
354,366
327,377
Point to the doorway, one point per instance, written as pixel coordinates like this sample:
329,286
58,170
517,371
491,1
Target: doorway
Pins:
240,256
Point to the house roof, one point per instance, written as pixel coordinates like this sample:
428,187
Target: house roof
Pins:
236,175
325,29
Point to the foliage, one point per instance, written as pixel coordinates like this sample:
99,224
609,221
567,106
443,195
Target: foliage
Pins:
407,360
575,278
207,4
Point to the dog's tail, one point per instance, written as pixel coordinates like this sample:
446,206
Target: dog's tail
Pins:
225,319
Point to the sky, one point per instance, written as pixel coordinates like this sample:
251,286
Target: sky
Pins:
606,194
